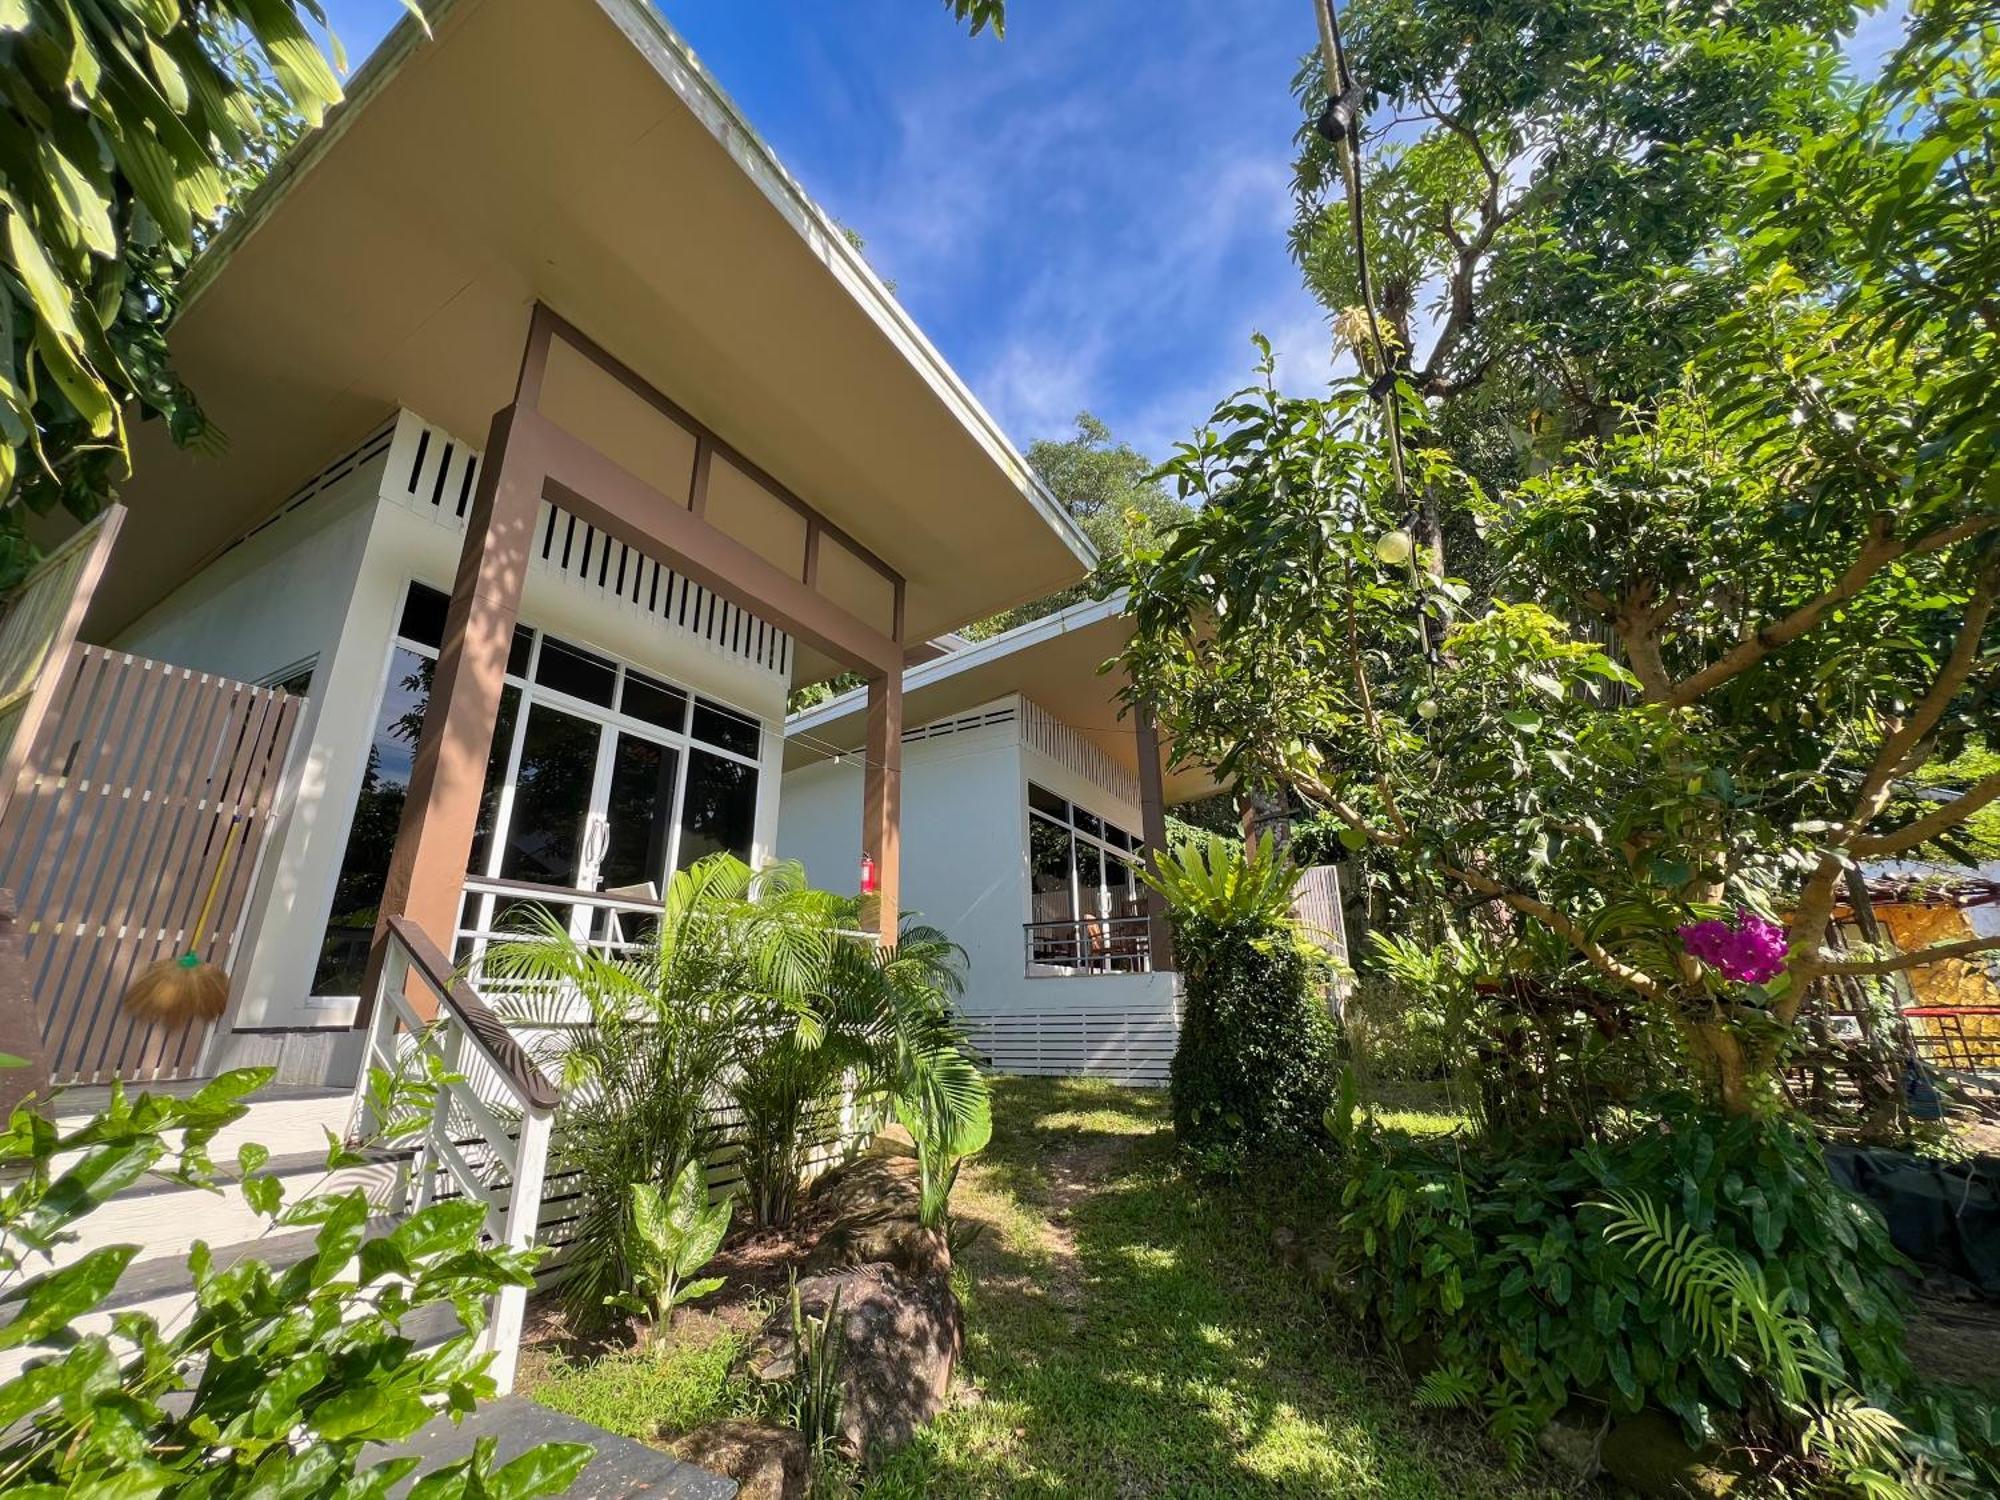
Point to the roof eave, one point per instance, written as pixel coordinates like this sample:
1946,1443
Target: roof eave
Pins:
675,63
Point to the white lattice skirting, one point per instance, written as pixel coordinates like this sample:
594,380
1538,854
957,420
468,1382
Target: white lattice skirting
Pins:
1125,1046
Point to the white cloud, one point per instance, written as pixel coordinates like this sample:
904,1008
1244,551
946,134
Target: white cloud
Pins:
1094,217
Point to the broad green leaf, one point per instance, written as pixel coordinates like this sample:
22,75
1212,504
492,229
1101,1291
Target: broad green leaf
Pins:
547,1469
277,1407
52,1301
47,290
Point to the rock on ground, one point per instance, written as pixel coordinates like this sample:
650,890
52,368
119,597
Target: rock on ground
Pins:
866,1213
768,1463
901,1337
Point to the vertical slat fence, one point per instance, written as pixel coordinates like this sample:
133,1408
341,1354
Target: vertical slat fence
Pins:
118,827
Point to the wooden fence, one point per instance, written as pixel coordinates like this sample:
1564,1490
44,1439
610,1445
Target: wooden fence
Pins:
118,826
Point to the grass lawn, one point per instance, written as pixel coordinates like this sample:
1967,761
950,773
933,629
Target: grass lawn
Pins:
1130,1333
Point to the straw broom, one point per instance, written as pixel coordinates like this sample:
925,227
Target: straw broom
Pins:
179,991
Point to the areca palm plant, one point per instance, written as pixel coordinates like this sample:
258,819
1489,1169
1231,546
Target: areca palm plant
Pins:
754,1013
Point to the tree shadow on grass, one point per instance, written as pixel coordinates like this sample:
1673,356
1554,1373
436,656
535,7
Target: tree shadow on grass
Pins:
1130,1333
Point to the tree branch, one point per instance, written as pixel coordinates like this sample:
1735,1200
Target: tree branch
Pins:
1601,959
1881,549
1815,905
1897,962
1942,819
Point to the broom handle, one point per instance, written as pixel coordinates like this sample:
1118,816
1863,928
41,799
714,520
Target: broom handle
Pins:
215,884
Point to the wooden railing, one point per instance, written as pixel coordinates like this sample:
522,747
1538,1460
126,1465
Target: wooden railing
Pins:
1090,945
488,1136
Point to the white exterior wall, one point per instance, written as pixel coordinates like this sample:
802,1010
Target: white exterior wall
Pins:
328,579
965,871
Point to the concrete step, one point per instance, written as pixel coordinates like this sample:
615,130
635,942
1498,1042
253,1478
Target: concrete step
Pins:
162,1286
165,1218
285,1119
622,1469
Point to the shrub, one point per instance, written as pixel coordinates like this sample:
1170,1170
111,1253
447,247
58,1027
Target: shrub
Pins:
752,995
1703,1265
1253,1072
279,1382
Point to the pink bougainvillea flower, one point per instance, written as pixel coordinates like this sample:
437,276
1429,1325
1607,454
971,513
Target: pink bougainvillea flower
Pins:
1746,949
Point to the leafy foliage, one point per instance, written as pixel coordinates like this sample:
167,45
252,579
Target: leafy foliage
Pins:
125,130
980,14
1252,1072
1739,626
1709,1267
1536,189
672,1236
279,1381
754,994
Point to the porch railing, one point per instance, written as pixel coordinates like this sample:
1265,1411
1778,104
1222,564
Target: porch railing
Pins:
609,925
488,1135
1089,945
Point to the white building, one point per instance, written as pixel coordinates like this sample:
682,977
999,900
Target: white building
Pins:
1028,806
551,403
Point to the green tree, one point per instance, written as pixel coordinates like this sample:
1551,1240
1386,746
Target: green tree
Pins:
1538,203
1112,491
125,127
1795,562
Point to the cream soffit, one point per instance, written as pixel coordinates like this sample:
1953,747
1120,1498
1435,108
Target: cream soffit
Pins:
675,62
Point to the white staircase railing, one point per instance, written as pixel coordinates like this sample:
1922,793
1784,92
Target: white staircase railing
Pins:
489,1133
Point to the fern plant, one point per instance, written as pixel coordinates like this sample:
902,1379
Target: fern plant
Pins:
1724,1297
1219,882
1450,1387
1732,1308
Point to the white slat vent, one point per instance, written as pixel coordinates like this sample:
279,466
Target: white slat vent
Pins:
1126,1046
1043,731
432,473
963,724
367,450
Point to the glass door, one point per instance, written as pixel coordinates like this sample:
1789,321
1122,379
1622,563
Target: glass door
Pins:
551,826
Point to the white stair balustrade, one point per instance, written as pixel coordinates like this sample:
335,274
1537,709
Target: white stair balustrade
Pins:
488,1134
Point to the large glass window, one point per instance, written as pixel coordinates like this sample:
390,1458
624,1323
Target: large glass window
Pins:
600,778
378,810
1080,864
721,808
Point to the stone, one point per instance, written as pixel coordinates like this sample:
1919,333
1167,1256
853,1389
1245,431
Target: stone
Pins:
1571,1439
1650,1456
767,1463
867,1212
901,1337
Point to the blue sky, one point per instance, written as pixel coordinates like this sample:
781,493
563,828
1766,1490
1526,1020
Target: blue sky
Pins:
1089,214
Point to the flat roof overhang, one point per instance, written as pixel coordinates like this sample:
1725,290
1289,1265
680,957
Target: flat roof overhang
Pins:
573,152
1054,661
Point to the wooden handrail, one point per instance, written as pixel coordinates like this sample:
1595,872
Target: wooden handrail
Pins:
487,1031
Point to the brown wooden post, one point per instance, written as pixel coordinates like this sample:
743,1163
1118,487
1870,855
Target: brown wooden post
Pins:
1153,828
434,840
882,802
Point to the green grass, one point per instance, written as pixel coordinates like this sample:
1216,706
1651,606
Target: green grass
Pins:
1414,1109
639,1395
1129,1333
